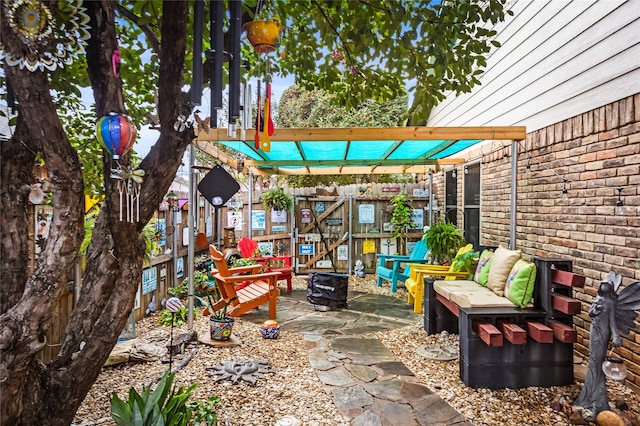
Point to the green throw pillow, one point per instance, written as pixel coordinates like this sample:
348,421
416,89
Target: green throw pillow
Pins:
519,286
482,270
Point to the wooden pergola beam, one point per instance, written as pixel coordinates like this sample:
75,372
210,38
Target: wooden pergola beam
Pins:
379,133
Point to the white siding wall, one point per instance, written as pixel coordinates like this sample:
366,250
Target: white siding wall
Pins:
558,59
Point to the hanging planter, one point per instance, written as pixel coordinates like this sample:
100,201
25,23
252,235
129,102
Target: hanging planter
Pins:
276,199
264,35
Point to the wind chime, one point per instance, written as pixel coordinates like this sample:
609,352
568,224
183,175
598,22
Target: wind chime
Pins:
117,133
217,53
264,36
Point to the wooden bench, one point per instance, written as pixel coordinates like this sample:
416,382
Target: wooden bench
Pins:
510,347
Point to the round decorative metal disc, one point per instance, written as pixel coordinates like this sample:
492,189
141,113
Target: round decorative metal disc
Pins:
437,352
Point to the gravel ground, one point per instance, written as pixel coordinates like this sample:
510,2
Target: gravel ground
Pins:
295,390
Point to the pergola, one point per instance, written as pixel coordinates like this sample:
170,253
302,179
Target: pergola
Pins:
365,150
353,150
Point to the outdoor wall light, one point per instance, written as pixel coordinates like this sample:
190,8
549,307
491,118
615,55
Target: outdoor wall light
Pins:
454,174
565,193
466,170
505,154
619,202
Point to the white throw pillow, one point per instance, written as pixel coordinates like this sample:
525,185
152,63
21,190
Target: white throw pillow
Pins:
501,264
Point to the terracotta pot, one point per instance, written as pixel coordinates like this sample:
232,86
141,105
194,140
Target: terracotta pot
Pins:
221,329
264,36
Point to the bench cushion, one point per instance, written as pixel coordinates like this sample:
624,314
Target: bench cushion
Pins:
501,264
468,294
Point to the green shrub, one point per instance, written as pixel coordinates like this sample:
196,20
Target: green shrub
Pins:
204,411
401,216
180,317
165,406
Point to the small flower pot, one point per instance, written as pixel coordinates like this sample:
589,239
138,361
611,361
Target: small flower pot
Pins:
270,329
270,333
221,329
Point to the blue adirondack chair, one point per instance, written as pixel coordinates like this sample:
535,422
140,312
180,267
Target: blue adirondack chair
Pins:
399,270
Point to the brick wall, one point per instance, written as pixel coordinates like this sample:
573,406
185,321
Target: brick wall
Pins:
595,152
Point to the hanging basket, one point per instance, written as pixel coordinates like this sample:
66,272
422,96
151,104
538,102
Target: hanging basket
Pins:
264,35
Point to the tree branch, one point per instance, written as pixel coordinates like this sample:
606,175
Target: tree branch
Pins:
146,29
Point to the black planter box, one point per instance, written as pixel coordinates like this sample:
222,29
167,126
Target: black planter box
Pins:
327,291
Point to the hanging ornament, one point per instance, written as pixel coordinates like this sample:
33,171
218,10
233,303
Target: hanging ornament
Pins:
203,125
256,142
37,40
36,195
116,133
129,181
180,124
264,35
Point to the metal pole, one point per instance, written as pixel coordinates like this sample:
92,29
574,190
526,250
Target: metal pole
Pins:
250,202
431,198
196,80
350,225
514,192
191,249
218,227
174,210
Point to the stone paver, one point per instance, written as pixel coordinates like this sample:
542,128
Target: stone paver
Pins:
335,377
351,397
363,373
369,385
367,419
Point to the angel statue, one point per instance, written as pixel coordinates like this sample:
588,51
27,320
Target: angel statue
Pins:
611,314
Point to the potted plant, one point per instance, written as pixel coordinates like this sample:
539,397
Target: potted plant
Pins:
215,305
401,215
443,240
276,199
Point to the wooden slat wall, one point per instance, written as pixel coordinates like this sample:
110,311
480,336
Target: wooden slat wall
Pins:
376,194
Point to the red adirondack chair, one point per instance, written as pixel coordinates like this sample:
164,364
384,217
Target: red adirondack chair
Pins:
249,250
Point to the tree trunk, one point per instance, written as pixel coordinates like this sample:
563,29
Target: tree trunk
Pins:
32,393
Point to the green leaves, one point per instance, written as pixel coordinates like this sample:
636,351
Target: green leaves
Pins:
439,46
276,199
443,240
165,406
401,216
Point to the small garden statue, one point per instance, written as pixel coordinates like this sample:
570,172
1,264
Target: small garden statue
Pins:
358,269
611,314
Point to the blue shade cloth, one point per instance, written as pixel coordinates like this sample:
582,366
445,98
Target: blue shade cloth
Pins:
314,152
